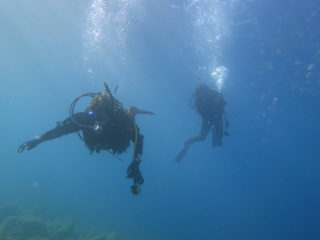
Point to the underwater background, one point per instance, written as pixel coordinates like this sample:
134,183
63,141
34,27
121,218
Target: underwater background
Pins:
262,184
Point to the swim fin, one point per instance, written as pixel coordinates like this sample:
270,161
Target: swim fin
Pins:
183,151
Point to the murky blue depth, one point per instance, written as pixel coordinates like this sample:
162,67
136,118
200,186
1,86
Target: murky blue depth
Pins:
263,55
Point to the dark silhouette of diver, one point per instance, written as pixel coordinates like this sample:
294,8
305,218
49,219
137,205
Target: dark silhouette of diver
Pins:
209,103
105,125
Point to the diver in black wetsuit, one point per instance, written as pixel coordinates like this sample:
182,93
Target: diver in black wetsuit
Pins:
105,125
209,103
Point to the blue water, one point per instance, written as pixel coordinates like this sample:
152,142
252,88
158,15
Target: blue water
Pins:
262,184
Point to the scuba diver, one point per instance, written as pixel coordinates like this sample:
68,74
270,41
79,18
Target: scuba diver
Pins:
105,125
209,103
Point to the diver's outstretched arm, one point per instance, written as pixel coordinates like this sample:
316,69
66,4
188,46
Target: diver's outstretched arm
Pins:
205,127
66,127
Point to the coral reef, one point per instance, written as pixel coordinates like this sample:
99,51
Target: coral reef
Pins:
35,223
98,237
8,210
22,227
113,236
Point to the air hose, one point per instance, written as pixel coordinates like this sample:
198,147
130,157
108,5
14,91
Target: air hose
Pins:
135,142
73,105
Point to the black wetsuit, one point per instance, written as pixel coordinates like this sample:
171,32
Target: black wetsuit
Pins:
210,104
113,134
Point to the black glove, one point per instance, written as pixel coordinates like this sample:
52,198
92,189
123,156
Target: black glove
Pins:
29,144
134,172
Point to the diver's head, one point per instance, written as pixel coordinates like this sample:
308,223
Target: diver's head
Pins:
200,88
101,103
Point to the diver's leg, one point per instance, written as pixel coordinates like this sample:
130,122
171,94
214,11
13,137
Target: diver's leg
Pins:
205,127
217,133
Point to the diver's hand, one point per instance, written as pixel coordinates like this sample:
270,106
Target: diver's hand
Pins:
134,172
29,144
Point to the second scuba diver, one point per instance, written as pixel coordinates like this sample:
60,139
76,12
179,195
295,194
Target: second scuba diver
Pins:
209,103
